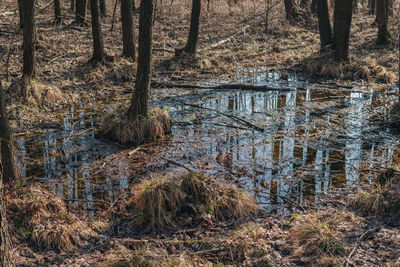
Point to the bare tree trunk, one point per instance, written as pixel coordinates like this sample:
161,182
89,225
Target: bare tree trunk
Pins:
191,45
103,8
382,17
57,12
133,5
29,39
9,170
98,46
325,30
127,29
314,6
5,257
341,31
372,7
140,99
72,6
80,11
290,9
21,14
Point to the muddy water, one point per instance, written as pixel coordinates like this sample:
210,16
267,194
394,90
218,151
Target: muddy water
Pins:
316,138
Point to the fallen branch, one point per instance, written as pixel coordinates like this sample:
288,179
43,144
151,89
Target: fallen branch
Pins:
178,164
224,40
358,243
229,116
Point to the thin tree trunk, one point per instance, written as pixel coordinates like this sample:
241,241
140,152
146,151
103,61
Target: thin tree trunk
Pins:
72,5
103,8
5,257
9,171
140,99
127,29
80,11
21,14
372,7
191,45
98,46
325,30
314,6
341,31
382,16
291,13
29,39
133,5
57,12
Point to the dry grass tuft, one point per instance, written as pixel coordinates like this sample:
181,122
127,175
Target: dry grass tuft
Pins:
316,233
380,198
382,74
141,130
162,204
39,216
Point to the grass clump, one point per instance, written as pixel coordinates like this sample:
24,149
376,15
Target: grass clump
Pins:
138,131
382,197
39,216
163,204
317,233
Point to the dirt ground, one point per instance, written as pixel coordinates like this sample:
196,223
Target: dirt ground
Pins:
331,234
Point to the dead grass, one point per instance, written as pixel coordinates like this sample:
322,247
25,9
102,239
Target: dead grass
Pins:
164,204
142,130
381,197
41,217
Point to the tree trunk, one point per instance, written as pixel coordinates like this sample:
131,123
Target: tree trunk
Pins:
21,14
341,30
127,29
9,170
98,46
314,6
72,5
291,13
57,12
29,39
191,45
325,30
133,5
5,258
372,7
140,99
103,8
80,11
382,16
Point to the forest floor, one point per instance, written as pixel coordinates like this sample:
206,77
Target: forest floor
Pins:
329,233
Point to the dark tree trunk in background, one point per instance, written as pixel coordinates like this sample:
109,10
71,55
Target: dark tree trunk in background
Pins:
103,8
191,45
80,11
382,16
98,46
127,29
133,5
9,170
291,13
21,13
140,99
57,12
314,6
325,30
341,30
372,7
72,5
29,39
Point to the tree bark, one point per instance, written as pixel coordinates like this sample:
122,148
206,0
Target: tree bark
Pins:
98,46
325,30
80,11
9,171
103,8
372,7
127,29
57,12
314,6
133,5
382,16
29,39
341,31
140,99
5,257
191,45
21,14
291,13
72,5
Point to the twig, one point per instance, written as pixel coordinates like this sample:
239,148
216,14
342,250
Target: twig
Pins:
178,164
358,244
230,116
